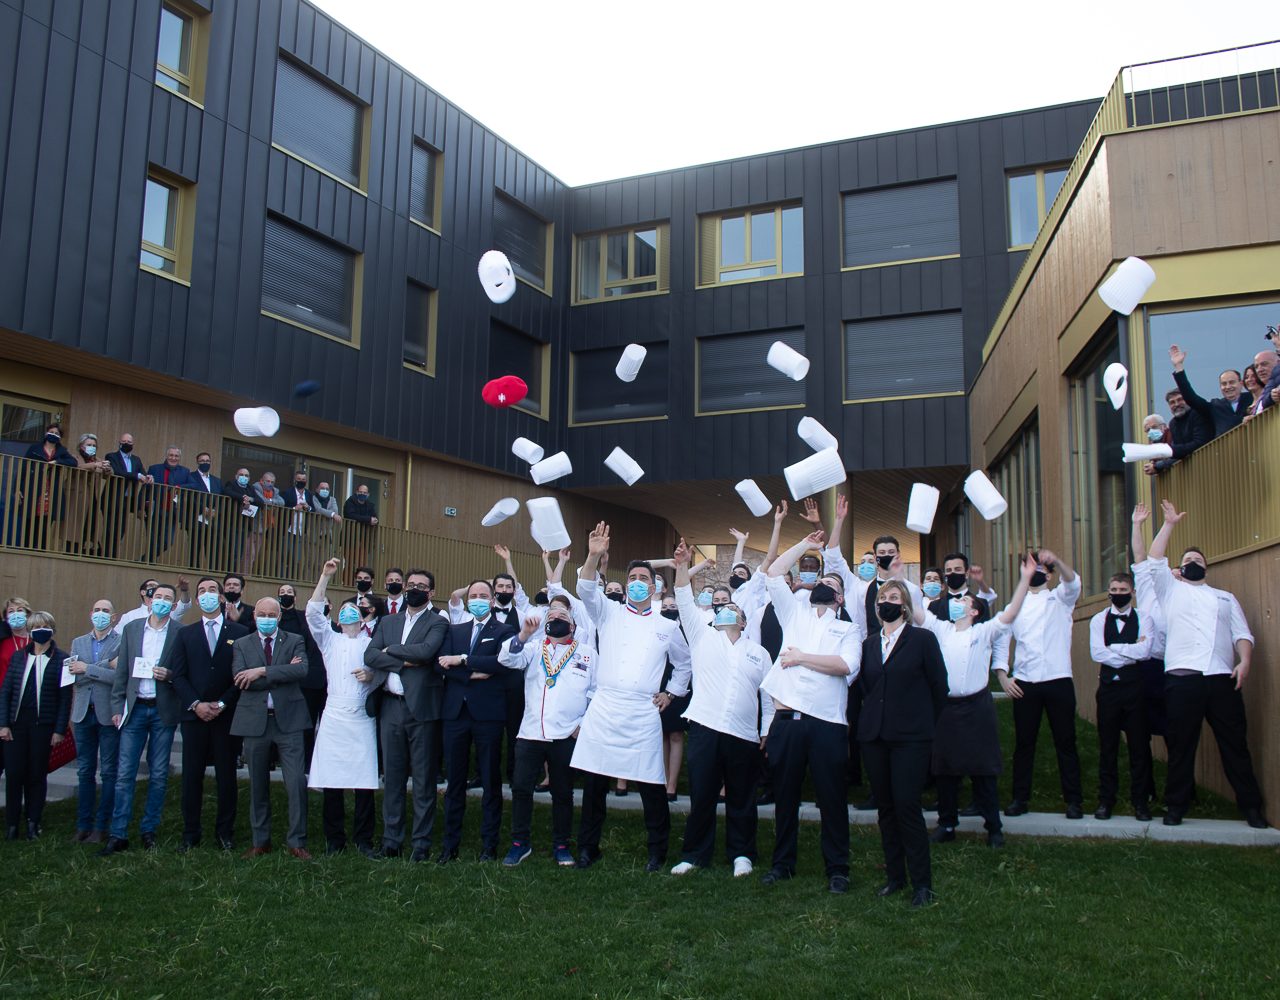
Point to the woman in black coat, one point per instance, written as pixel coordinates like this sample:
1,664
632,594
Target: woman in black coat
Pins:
42,485
903,682
34,709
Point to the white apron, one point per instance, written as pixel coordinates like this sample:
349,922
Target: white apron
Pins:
346,752
621,737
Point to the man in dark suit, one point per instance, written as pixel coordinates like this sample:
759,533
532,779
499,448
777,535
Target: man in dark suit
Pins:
300,499
201,665
406,700
201,521
120,513
243,499
475,709
268,667
166,479
1222,414
293,619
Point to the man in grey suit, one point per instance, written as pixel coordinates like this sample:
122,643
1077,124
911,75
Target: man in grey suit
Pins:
145,708
406,701
268,668
93,662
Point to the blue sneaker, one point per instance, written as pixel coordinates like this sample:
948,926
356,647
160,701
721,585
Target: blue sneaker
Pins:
517,854
564,857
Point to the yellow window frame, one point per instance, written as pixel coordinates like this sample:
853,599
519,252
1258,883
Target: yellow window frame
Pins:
183,195
1042,205
748,264
429,367
659,277
437,193
197,43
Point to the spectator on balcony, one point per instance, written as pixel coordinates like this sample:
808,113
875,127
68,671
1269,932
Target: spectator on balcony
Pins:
1252,384
43,485
86,495
1222,414
265,496
123,503
1188,429
167,478
362,510
1156,430
204,481
324,503
299,499
1268,372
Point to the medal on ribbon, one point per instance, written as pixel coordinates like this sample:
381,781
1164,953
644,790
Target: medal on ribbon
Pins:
551,668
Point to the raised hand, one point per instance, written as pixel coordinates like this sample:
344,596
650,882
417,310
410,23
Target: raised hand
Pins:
1178,356
780,514
502,551
681,555
816,539
331,567
598,540
810,512
530,625
1140,513
1047,558
1028,568
565,555
739,536
1170,512
842,507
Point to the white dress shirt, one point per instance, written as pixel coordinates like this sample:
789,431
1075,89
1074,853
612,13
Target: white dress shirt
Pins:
393,683
1204,623
967,653
635,646
551,711
799,688
752,596
855,588
726,674
141,611
36,664
152,648
1118,654
1149,608
1042,631
887,641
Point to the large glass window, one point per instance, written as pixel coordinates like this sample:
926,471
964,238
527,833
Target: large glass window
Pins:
420,327
881,362
180,49
1215,339
624,262
599,395
424,185
24,421
524,238
308,280
342,478
1099,511
1031,194
734,375
756,243
167,216
899,224
512,352
1016,474
318,123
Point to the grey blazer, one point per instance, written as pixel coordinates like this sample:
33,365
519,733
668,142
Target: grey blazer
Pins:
283,681
94,686
124,686
413,661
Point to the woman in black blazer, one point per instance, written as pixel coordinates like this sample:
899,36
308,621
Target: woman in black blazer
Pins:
30,726
903,682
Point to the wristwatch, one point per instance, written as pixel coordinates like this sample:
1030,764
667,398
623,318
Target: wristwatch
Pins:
464,659
222,706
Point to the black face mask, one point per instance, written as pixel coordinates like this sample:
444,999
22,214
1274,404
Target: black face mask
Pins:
361,498
540,598
503,599
125,448
415,598
884,562
327,609
1038,579
822,594
394,588
1192,571
671,613
41,635
52,439
889,612
557,628
616,597
286,600
955,580
232,596
204,467
735,582
300,485
364,586
366,612
1121,600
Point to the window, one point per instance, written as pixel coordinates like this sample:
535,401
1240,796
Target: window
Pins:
420,327
1016,474
180,51
900,224
625,262
168,212
1215,339
886,358
318,123
733,375
309,281
600,396
342,478
514,353
525,239
1031,193
755,243
425,186
24,421
1099,512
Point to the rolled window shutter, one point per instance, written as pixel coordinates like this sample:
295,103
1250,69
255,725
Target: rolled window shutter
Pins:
881,360
903,223
307,279
664,257
598,393
734,375
708,265
522,236
317,122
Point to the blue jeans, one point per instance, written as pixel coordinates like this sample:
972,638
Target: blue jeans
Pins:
94,740
142,729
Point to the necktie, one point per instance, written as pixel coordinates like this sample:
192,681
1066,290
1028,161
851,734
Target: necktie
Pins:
475,635
266,649
213,636
393,607
166,475
367,630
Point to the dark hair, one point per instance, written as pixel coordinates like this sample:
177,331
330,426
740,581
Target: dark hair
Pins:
143,584
1247,370
640,564
364,569
740,565
956,555
561,600
1171,393
885,540
431,577
1197,550
722,588
984,609
810,555
503,576
390,570
931,569
1123,578
204,454
377,603
233,576
209,579
485,582
169,587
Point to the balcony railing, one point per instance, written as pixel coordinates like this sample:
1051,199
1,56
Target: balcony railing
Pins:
59,510
1230,487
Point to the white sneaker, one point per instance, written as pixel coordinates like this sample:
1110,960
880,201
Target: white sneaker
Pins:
683,868
741,867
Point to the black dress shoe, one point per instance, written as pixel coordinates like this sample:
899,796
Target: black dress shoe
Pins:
445,857
1016,808
838,885
923,896
1102,812
1255,819
765,799
995,839
114,845
148,841
419,855
226,843
890,887
387,851
867,805
587,858
774,876
1142,813
474,783
971,810
942,835
488,854
1074,811
367,850
655,863
187,846
33,830
1172,819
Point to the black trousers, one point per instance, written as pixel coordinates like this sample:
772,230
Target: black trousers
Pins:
718,760
530,756
798,742
335,818
854,768
985,798
1122,707
205,743
1057,700
898,771
1190,700
657,814
26,762
515,715
459,734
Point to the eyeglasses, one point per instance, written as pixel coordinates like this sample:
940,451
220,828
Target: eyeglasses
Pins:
417,586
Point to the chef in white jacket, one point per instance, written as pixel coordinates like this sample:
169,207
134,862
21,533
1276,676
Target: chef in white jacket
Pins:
621,734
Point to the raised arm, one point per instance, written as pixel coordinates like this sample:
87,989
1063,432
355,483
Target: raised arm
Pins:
504,554
1137,541
741,538
788,559
1160,544
588,576
692,621
779,515
842,514
812,514
1020,592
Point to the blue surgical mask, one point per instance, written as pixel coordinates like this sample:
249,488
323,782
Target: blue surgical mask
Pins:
208,602
1154,435
704,599
17,619
322,494
638,591
808,577
266,626
478,608
866,571
349,615
242,481
956,609
101,620
932,589
726,616
160,607
91,450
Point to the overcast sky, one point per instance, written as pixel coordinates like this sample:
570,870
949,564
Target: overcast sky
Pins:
596,90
